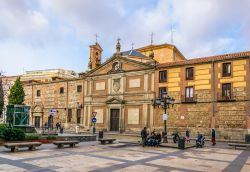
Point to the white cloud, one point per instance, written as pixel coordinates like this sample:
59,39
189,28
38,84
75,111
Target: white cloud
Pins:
18,21
46,34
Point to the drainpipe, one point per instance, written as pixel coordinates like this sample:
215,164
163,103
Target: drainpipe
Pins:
67,100
248,83
32,103
213,96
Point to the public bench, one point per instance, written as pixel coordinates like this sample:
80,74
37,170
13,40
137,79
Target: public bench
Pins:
234,145
104,141
14,146
71,143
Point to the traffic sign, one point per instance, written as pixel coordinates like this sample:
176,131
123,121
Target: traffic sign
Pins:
165,117
94,113
52,110
94,120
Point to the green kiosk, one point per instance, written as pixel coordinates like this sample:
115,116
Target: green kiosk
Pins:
18,117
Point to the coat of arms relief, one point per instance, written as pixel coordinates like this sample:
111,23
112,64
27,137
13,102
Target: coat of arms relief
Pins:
116,85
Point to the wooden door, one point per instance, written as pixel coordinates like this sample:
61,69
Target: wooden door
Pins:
37,121
114,119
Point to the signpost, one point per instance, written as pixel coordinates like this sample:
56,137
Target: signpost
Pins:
94,121
51,120
165,117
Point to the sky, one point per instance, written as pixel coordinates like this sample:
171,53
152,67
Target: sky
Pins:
51,34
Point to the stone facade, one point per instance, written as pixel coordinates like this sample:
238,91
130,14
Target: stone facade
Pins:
119,92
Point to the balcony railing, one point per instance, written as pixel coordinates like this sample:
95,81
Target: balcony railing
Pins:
225,98
185,99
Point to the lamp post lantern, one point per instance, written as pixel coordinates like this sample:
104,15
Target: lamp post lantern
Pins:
164,101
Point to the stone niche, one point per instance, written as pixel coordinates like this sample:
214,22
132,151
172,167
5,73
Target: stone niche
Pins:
133,115
134,83
100,86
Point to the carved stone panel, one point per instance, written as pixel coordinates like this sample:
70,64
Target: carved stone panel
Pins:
134,83
100,86
133,115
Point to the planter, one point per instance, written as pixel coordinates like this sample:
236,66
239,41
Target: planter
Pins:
1,142
45,141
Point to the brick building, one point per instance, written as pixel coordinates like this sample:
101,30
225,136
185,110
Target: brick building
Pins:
209,92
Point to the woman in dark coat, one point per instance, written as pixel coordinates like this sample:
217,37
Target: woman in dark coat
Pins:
213,137
187,136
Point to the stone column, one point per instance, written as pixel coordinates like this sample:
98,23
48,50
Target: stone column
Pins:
144,114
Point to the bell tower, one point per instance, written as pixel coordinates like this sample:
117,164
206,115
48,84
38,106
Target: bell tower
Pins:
95,56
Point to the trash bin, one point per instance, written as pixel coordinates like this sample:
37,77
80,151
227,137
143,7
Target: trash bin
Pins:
181,143
100,136
247,138
61,130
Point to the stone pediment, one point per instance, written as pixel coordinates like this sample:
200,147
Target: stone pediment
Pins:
119,64
115,100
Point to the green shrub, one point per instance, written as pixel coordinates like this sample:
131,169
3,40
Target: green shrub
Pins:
2,128
51,137
32,137
13,134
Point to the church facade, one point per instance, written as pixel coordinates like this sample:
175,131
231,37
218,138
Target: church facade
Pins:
209,92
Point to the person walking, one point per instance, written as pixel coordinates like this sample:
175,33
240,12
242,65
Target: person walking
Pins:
187,136
144,136
57,125
213,137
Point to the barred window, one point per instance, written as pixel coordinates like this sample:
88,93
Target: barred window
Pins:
190,73
38,93
61,90
78,116
189,92
226,69
79,88
226,90
163,76
161,91
69,115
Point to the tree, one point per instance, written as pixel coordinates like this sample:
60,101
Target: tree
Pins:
17,93
1,96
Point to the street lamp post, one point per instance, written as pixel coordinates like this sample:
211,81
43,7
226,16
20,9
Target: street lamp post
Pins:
164,101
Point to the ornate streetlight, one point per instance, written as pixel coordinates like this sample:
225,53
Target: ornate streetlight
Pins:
164,101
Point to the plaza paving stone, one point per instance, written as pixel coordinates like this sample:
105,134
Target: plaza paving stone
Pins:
93,156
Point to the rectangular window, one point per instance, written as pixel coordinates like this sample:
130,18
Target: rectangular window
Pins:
226,69
79,88
161,91
38,93
189,93
163,76
69,115
226,91
61,90
190,73
78,116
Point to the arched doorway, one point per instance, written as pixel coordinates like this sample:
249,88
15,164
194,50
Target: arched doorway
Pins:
37,116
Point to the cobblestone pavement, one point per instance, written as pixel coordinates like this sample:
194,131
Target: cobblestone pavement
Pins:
92,156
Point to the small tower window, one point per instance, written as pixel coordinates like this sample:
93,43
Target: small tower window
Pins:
61,90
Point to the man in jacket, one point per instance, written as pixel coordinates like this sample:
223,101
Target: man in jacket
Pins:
144,136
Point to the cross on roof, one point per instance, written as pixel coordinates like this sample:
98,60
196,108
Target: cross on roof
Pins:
152,38
132,45
96,37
